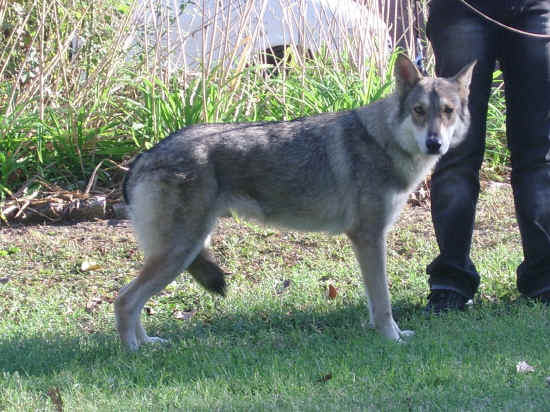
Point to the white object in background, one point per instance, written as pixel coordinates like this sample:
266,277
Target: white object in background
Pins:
185,34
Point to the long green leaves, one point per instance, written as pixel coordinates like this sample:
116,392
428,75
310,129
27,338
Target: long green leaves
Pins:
496,153
70,97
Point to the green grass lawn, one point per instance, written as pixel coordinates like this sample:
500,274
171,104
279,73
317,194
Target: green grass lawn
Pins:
277,341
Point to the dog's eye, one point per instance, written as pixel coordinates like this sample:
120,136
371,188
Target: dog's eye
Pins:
419,110
447,110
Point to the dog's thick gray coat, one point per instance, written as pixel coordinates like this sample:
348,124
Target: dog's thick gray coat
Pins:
348,172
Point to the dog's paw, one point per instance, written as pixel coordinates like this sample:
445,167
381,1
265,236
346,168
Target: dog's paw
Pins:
391,331
131,346
404,335
155,340
129,341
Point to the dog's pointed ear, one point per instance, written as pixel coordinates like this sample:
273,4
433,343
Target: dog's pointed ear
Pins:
464,76
406,74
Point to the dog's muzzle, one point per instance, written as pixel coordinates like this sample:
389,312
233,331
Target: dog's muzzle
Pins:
433,145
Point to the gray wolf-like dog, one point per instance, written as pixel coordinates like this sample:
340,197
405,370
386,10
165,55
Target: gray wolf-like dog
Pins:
347,172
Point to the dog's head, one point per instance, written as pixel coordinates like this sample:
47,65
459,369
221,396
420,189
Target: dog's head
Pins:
433,110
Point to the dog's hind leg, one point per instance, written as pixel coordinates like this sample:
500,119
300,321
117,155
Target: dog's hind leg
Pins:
132,297
171,223
205,271
157,272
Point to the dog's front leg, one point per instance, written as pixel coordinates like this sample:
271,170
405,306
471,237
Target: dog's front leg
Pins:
371,254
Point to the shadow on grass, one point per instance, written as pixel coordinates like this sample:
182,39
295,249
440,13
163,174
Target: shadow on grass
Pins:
48,352
298,342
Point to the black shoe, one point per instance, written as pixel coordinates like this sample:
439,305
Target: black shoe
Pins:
442,300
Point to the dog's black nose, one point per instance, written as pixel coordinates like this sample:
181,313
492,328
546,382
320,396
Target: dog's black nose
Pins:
433,145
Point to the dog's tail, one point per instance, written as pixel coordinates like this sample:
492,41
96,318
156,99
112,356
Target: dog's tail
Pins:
125,182
205,271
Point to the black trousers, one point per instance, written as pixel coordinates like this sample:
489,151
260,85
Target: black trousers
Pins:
459,36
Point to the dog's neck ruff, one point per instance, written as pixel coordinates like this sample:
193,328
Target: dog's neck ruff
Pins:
366,136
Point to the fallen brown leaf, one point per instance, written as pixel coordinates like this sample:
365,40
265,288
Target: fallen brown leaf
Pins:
332,292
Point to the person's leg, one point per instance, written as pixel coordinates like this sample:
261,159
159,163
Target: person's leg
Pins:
458,37
526,68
